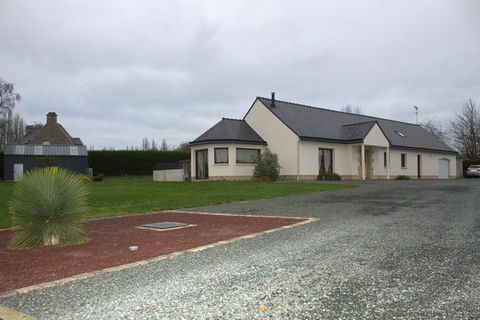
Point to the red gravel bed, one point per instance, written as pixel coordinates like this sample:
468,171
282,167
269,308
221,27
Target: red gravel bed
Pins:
109,242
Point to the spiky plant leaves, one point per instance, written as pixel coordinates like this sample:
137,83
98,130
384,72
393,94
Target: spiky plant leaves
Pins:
46,208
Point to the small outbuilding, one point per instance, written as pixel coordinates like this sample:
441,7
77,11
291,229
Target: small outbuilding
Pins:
48,145
22,158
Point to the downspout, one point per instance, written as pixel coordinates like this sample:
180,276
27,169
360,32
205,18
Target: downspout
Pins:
193,169
298,160
388,163
363,160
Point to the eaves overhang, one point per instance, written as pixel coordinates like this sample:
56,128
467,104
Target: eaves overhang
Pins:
303,138
225,141
425,149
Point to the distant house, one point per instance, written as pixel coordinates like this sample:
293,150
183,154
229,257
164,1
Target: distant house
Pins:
45,145
310,141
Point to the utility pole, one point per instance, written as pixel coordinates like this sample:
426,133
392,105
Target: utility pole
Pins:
416,114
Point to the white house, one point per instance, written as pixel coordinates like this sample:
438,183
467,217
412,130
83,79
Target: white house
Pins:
310,140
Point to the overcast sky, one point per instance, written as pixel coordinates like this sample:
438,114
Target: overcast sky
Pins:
118,71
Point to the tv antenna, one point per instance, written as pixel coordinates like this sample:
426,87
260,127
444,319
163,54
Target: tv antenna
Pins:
416,114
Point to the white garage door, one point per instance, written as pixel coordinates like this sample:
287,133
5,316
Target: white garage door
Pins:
443,168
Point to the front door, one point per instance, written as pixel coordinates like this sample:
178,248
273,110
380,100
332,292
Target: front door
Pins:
419,166
367,164
202,164
17,171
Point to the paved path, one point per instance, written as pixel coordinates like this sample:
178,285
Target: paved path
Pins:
385,250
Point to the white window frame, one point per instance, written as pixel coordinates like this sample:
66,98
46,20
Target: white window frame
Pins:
215,155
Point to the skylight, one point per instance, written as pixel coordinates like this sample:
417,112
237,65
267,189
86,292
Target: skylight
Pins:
400,134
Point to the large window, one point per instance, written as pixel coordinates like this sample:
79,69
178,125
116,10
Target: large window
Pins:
221,155
403,160
247,155
325,160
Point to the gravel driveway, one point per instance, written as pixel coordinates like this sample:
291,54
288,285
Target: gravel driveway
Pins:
385,250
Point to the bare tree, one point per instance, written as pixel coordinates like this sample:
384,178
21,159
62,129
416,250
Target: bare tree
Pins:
8,98
18,128
145,144
183,146
348,108
164,145
465,130
154,145
12,129
436,129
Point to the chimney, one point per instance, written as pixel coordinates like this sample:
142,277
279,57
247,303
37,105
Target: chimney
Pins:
51,118
273,100
28,130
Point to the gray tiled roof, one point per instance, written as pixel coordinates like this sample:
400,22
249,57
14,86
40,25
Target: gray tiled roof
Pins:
329,125
229,130
45,150
356,131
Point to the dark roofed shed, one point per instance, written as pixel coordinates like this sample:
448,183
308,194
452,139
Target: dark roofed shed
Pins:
22,158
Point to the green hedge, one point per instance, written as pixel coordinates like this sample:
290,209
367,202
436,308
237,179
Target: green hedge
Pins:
119,163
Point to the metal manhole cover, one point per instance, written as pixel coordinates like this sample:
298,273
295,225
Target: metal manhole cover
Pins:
164,225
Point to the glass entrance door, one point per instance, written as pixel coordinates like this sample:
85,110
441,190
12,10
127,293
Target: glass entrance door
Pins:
325,161
202,164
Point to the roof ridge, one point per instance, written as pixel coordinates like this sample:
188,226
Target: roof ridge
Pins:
223,118
69,137
331,110
357,123
236,130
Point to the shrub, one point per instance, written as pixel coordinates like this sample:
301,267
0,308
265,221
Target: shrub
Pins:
267,167
46,208
84,178
99,177
129,162
401,177
329,176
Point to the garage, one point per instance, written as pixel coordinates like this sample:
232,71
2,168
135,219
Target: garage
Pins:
443,168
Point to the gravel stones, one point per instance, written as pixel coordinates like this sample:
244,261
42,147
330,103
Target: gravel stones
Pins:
385,250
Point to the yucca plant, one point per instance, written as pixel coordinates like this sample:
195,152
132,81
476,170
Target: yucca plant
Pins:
46,208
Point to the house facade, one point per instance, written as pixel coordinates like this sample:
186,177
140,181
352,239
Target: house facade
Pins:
45,145
310,140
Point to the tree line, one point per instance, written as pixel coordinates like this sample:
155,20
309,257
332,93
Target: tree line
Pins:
153,145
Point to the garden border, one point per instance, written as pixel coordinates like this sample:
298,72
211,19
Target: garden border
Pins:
172,255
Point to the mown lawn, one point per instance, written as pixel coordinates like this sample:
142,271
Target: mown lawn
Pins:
122,196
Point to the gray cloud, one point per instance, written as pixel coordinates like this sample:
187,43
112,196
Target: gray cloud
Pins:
117,71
